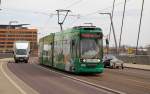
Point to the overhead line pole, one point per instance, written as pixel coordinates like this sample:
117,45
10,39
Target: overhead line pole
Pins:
139,27
108,38
109,14
112,19
122,24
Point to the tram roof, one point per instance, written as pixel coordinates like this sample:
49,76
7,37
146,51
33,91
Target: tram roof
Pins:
87,27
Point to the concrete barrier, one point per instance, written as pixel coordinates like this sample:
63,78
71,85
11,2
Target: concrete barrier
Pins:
136,59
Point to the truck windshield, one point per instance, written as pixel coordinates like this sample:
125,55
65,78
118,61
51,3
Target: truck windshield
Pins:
21,51
90,48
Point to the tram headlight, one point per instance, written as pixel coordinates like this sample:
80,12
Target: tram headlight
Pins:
90,60
98,60
82,60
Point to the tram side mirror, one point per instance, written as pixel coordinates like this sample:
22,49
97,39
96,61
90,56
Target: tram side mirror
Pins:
107,42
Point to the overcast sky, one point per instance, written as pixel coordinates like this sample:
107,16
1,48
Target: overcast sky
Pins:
38,13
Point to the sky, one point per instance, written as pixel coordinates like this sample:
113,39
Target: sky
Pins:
40,14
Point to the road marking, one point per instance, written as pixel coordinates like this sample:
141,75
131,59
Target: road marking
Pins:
11,81
87,85
86,82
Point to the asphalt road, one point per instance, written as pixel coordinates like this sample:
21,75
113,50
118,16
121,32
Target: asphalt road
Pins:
130,81
47,82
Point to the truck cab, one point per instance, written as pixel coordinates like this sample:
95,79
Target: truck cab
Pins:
21,51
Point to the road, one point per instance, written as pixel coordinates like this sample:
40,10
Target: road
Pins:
45,81
130,81
10,84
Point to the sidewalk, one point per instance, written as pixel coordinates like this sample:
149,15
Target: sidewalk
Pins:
137,66
9,83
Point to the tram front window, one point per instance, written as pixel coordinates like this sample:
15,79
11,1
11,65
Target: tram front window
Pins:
89,48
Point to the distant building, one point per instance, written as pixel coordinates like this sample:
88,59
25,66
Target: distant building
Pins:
11,33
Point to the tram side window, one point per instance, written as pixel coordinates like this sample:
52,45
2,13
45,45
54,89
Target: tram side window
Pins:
41,45
77,48
73,48
100,42
41,48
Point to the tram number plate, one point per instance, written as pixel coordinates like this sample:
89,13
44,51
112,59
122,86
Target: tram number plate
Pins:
91,65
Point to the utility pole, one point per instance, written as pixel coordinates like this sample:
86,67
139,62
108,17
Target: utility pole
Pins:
113,30
61,22
122,24
139,27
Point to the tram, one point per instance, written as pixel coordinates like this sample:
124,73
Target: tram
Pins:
78,50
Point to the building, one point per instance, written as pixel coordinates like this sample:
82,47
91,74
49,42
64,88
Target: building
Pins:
11,33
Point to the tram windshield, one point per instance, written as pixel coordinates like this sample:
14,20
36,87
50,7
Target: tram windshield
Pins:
90,48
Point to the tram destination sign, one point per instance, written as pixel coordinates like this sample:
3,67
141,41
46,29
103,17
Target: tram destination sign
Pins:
98,35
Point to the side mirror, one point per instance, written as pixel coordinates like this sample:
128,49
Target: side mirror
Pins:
30,52
107,42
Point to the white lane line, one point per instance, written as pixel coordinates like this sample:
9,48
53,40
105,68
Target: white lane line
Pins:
86,82
11,81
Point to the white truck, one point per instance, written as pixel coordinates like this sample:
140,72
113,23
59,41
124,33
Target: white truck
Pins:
21,51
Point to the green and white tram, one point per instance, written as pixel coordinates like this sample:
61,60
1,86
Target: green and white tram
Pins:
78,50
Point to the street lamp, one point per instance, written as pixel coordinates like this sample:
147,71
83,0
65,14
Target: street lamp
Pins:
109,14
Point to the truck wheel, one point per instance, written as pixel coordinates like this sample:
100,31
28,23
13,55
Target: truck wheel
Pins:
114,66
26,61
16,61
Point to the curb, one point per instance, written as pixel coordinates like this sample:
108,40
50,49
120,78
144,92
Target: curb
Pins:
137,68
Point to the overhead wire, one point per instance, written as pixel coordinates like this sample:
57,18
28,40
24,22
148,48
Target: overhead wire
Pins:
42,13
73,4
92,13
69,6
120,3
